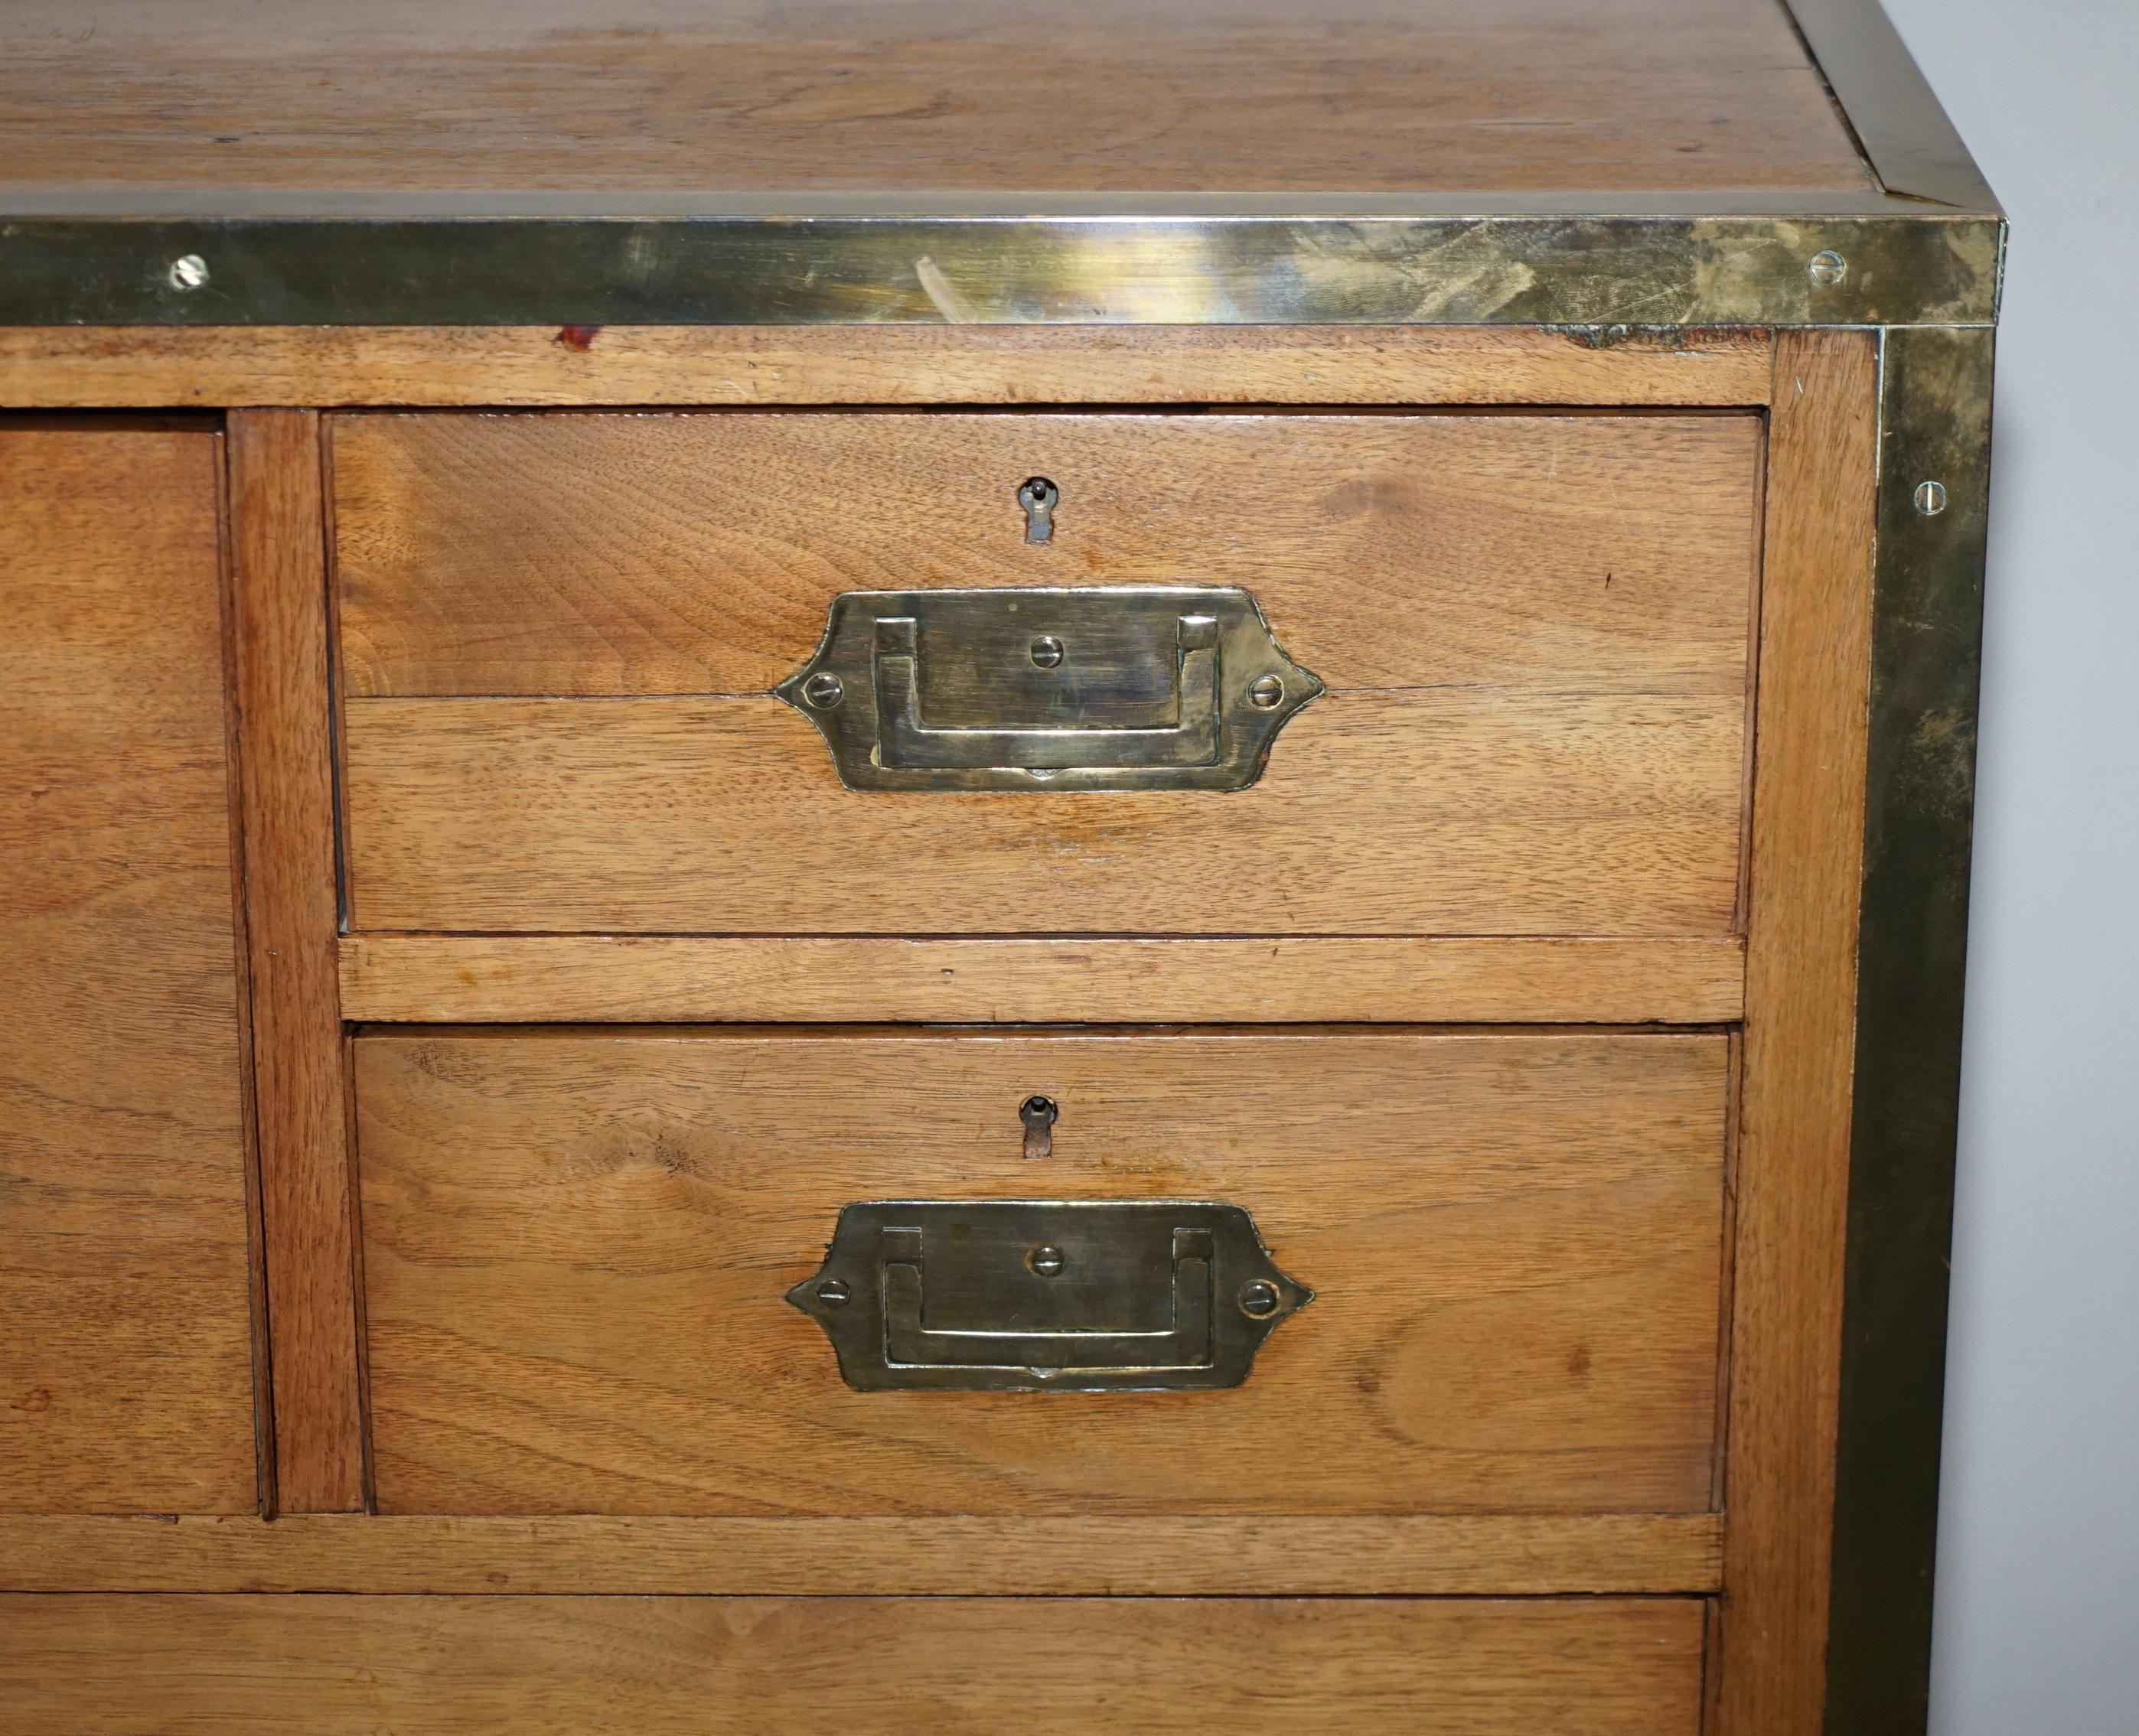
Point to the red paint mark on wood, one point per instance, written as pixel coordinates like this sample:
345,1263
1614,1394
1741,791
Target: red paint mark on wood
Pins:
580,338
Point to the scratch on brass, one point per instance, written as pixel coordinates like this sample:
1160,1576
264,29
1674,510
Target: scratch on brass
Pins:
955,308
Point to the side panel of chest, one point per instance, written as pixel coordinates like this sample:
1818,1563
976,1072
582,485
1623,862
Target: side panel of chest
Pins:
126,1335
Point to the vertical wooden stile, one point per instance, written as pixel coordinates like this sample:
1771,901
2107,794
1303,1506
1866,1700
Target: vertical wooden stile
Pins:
1791,1169
278,554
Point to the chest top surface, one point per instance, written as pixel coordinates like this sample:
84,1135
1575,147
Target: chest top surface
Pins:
769,162
894,97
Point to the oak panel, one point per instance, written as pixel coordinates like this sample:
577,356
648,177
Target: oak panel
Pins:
425,1667
646,554
577,1246
1432,1554
1538,628
1792,1168
414,979
653,96
126,1309
326,365
1461,810
278,565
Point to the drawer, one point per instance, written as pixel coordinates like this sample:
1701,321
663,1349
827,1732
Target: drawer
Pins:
428,1666
579,1250
560,637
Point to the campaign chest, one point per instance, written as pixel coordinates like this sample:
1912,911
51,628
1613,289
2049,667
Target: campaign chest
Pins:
965,867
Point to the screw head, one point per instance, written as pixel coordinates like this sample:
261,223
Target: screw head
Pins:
1047,651
1258,1298
1827,268
1931,499
834,1294
824,690
1266,692
1045,1260
188,273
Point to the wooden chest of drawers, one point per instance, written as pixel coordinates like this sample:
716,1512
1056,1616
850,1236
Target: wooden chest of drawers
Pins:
947,868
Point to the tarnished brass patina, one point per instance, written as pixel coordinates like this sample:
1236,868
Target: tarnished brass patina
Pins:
1213,262
1911,962
1061,1295
1118,687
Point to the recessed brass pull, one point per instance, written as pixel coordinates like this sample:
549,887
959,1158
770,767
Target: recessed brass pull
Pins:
1119,687
1187,737
1076,1295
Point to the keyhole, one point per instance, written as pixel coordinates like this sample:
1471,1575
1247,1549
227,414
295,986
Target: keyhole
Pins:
1038,497
1039,1114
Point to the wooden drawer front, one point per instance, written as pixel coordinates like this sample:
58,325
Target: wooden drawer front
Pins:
428,1666
559,633
577,1248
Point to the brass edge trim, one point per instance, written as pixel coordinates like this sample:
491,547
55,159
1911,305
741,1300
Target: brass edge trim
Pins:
1650,271
1935,428
1900,124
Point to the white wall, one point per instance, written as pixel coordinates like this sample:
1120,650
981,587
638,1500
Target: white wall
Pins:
2038,1537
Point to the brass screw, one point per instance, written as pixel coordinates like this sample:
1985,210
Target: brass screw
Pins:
824,690
1258,1298
834,1294
1931,499
1827,268
1266,692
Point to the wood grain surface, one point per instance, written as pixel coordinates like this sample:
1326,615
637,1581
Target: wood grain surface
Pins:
698,554
1432,1554
279,583
126,1376
1537,629
535,979
1793,1157
323,366
556,1667
1009,95
1428,811
577,1247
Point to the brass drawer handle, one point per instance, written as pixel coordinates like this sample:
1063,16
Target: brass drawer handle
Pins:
1067,1295
1118,687
1187,738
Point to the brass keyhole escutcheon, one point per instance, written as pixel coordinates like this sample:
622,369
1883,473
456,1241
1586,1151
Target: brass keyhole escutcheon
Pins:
1039,497
1039,1114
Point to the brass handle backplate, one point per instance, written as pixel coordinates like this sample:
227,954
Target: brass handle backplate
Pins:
1114,688
1067,1295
